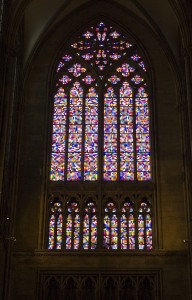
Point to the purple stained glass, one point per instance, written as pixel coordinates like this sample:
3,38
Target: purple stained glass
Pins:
75,133
141,232
126,133
76,70
65,79
127,226
73,226
58,136
148,232
51,232
88,79
142,135
125,70
114,79
145,226
55,226
90,227
126,120
137,79
110,128
110,230
142,65
135,57
91,136
59,231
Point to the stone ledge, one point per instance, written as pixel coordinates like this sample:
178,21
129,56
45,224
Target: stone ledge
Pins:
38,253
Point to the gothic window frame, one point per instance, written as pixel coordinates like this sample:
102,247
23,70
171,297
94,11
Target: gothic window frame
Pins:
104,187
107,238
100,90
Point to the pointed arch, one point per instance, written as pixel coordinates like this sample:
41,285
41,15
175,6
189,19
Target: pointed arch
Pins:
101,124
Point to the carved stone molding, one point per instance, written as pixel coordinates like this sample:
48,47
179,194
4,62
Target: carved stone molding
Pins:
99,284
41,253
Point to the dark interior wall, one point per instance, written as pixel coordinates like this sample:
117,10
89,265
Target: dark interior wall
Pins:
29,256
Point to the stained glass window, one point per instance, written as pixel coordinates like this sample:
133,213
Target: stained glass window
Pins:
101,141
144,226
90,226
110,231
55,225
72,225
126,225
101,124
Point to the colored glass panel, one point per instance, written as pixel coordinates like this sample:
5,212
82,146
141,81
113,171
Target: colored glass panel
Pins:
110,230
74,164
58,136
59,231
126,133
148,232
142,135
55,226
110,129
137,79
127,226
141,232
126,142
65,79
90,227
135,57
88,79
73,226
76,70
145,226
125,70
51,232
91,136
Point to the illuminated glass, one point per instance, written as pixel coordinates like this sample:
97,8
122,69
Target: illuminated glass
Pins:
144,226
110,128
110,231
73,225
90,226
55,225
126,133
91,136
127,226
142,135
101,125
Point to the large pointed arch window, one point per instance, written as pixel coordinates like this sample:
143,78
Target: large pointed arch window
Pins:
101,126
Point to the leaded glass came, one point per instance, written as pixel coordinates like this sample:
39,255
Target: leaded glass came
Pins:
101,124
